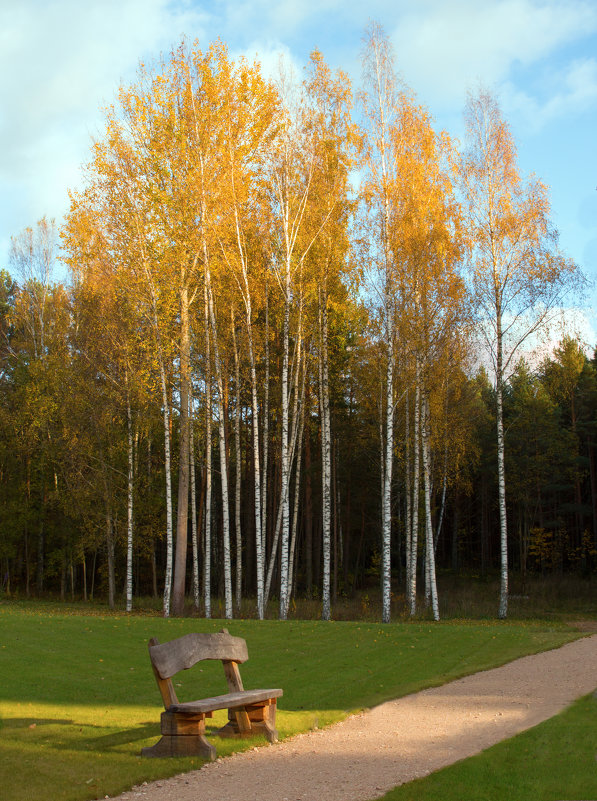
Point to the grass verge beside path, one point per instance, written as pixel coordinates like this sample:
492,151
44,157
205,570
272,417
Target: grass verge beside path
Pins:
554,760
78,700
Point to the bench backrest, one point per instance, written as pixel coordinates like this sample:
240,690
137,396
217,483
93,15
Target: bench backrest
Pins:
169,658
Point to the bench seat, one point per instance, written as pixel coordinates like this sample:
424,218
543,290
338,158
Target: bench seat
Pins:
228,701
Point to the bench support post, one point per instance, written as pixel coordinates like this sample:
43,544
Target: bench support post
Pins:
261,718
182,735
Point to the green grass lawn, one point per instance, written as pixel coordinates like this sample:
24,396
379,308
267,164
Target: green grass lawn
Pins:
78,700
555,760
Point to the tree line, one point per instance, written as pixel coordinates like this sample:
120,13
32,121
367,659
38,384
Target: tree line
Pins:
258,381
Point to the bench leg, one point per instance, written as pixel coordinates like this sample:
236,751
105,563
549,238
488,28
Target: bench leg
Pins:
261,719
265,721
182,735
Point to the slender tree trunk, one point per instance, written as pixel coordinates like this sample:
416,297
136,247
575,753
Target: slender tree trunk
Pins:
110,556
593,480
237,485
223,460
428,523
258,488
194,526
387,476
503,608
297,486
40,544
407,481
129,544
412,595
308,519
208,465
292,449
326,456
182,522
264,496
168,473
285,460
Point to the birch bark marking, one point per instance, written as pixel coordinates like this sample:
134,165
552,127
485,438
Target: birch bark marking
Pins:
129,544
194,527
154,319
222,453
237,484
412,593
503,607
430,551
324,395
407,481
259,499
208,465
180,567
387,488
285,447
380,106
265,439
168,471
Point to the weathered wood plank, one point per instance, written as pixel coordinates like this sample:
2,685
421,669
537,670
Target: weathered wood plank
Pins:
228,701
165,685
176,723
262,718
235,683
170,657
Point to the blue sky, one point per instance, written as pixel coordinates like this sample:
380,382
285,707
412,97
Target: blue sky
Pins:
62,60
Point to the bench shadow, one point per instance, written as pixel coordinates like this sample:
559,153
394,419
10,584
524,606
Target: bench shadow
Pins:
27,723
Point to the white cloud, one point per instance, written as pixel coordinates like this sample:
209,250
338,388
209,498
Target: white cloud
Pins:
59,62
278,19
443,47
573,91
271,54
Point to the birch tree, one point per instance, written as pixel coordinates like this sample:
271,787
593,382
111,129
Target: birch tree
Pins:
297,220
519,278
330,97
380,99
426,244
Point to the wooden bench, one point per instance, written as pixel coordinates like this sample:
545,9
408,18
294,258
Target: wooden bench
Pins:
250,712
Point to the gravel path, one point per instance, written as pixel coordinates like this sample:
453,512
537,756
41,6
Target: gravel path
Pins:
366,755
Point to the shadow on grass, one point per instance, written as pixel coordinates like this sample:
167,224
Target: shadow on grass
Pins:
122,740
33,723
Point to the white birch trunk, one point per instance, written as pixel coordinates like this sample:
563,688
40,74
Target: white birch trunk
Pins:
407,479
257,486
326,456
182,517
297,487
208,465
261,564
431,580
194,527
168,471
273,554
503,608
223,460
412,594
292,450
285,452
129,538
295,455
237,484
387,481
